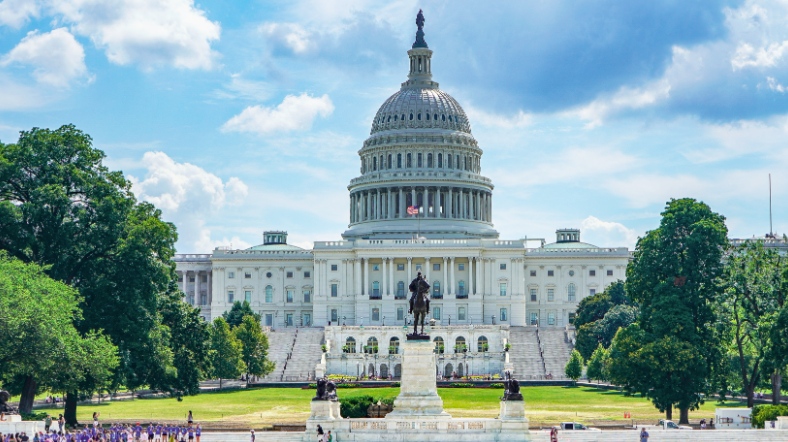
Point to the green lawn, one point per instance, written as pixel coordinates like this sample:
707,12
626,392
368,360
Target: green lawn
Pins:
265,406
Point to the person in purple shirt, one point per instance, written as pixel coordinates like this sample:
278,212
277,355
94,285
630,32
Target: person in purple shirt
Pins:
198,432
157,433
150,432
137,432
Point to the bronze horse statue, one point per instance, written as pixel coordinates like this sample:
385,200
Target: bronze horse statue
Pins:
419,303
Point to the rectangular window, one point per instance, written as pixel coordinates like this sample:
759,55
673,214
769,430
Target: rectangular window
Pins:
504,314
503,289
375,267
401,267
289,274
307,275
248,295
503,266
408,161
334,290
289,319
376,314
334,315
533,294
550,295
592,273
551,319
461,266
418,267
307,296
290,295
230,296
419,159
461,313
609,273
399,161
533,273
436,267
572,318
269,319
550,273
333,267
203,299
230,275
534,318
436,313
591,292
191,278
247,275
400,313
269,294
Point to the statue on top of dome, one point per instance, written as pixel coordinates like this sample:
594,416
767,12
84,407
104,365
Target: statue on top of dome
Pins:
420,43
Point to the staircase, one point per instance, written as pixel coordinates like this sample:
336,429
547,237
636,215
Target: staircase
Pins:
305,354
280,345
524,353
556,350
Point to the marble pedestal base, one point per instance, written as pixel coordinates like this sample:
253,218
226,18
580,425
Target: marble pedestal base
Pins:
325,411
418,395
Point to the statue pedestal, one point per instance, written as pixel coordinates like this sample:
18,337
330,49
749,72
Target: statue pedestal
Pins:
513,411
418,395
325,410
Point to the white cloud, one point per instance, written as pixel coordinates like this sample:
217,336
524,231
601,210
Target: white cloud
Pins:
187,195
57,57
775,85
607,233
291,35
767,56
150,33
519,119
746,138
243,88
15,13
292,114
626,98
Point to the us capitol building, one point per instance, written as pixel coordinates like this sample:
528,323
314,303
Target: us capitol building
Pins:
420,204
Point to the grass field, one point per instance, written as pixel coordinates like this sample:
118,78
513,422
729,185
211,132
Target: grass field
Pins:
266,406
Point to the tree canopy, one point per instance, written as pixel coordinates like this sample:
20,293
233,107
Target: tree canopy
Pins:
254,347
236,314
226,351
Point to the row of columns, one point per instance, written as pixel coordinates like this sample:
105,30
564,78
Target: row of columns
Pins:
197,285
436,202
467,163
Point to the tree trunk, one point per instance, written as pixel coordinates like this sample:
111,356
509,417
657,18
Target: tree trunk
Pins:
749,390
220,383
684,416
28,395
777,383
669,413
70,409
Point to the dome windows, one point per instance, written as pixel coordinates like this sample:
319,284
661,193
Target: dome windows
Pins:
418,117
428,116
443,117
411,116
435,117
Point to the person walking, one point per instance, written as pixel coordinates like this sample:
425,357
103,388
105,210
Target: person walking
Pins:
554,434
319,433
47,423
643,435
190,418
329,438
251,437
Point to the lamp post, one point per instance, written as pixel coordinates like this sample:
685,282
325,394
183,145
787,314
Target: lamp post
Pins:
384,320
492,319
358,370
449,319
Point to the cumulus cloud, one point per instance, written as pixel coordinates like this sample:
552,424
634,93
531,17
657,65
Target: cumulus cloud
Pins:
15,13
292,36
767,56
625,99
480,117
607,233
187,194
294,113
57,57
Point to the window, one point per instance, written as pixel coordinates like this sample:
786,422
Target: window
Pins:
350,344
460,266
289,274
307,295
503,266
401,267
334,290
459,345
290,295
269,319
409,162
268,275
550,273
429,160
418,267
532,292
436,267
551,319
503,314
419,160
376,314
436,313
451,163
550,295
461,313
376,289
461,289
307,274
203,299
333,267
571,293
374,164
400,313
400,290
571,273
503,289
334,316
191,278
388,162
572,317
534,318
399,161
482,345
230,275
375,267
438,344
592,273
609,273
230,296
591,292
436,289
440,160
247,275
248,295
269,294
533,273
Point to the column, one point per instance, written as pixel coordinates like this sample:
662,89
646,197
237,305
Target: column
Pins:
445,278
385,276
357,274
450,210
478,275
412,196
401,204
426,202
365,282
410,271
368,202
210,289
426,269
470,275
196,285
391,276
378,206
461,205
389,204
478,205
451,283
438,198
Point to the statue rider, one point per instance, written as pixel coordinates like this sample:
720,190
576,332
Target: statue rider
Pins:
419,287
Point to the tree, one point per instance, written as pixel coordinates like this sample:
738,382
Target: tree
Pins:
778,358
41,347
599,317
673,277
226,351
254,347
236,314
752,299
594,307
596,365
60,207
574,367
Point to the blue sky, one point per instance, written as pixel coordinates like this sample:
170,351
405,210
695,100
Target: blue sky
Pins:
237,117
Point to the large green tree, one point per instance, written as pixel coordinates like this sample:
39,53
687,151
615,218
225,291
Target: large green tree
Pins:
674,278
236,314
254,347
600,316
574,366
60,207
226,351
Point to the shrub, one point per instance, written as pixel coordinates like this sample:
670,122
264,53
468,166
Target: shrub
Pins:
355,407
496,385
763,413
461,385
348,385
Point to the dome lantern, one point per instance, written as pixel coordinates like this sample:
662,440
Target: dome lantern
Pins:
420,55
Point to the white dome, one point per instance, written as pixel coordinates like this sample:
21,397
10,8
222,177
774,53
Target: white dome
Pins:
415,107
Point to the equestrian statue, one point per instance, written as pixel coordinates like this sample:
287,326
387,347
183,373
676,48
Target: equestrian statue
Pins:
419,303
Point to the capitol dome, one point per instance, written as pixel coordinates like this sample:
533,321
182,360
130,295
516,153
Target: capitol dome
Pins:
420,167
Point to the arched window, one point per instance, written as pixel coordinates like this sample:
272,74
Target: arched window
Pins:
440,161
394,346
451,163
269,294
401,290
409,162
482,345
372,345
388,163
411,115
399,161
439,347
459,345
571,292
436,289
350,345
461,289
420,163
428,116
429,160
382,165
374,164
376,289
418,117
